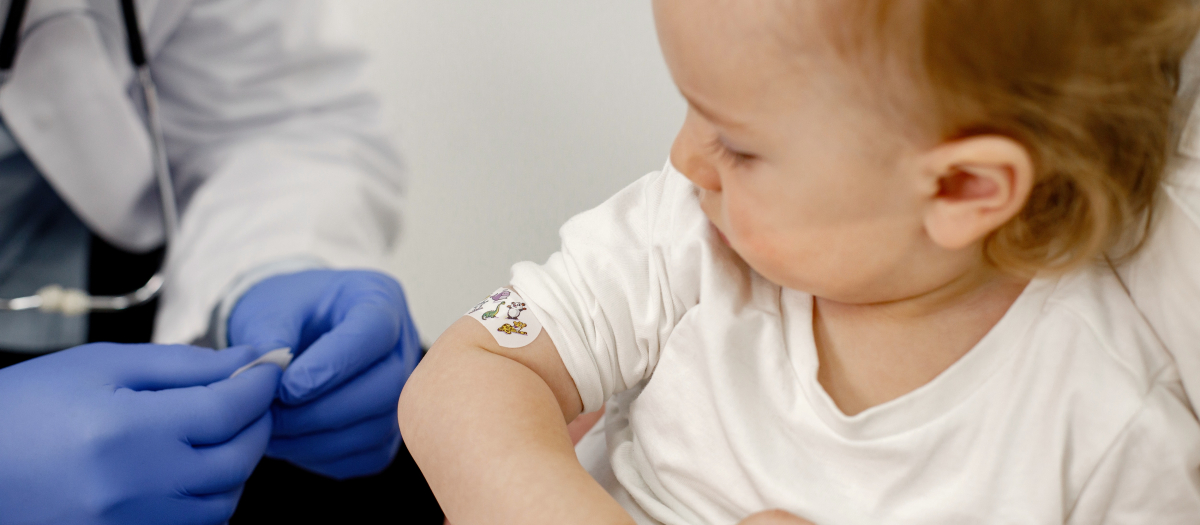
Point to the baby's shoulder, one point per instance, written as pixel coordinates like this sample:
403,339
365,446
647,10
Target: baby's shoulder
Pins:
1097,378
1092,320
1098,307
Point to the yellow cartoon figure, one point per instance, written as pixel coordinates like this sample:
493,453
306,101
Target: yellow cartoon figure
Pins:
514,328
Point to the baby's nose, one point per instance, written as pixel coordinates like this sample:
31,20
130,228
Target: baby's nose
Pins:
688,156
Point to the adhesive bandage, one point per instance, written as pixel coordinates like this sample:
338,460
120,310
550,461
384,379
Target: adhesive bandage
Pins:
507,318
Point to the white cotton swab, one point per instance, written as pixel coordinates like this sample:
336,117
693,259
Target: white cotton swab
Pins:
281,357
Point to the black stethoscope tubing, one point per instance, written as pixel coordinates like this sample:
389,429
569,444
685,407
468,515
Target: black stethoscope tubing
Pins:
10,39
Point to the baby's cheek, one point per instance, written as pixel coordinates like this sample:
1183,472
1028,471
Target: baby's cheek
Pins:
758,235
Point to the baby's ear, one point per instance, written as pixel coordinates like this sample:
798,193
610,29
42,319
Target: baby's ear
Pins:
974,185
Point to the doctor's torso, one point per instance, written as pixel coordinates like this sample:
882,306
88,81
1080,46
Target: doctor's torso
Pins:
68,104
74,157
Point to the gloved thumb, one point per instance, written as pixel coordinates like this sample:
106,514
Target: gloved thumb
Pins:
214,414
161,367
266,322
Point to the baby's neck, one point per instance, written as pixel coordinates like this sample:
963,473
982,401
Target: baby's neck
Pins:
874,353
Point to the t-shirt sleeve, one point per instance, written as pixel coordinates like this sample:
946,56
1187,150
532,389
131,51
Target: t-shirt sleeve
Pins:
626,273
1151,473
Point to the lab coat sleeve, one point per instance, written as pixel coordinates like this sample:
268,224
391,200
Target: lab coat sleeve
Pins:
627,272
276,147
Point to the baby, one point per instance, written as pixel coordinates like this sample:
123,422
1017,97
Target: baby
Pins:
875,284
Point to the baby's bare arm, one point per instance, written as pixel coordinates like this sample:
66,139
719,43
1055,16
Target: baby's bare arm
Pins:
774,517
488,427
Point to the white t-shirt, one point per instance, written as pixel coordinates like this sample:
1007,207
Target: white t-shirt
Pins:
1069,410
1164,278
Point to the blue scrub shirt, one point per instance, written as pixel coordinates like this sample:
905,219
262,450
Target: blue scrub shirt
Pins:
42,242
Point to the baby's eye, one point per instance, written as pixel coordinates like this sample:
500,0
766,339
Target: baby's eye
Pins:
726,153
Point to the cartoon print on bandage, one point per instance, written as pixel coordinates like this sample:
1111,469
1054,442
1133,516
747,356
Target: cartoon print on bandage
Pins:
507,318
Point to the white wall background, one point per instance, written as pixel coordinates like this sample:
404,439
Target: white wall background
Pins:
512,117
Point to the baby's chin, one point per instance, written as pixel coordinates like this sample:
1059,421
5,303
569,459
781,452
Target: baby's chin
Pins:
749,261
717,231
721,235
828,285
782,277
843,283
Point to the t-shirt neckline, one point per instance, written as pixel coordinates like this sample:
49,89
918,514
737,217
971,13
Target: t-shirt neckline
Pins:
930,401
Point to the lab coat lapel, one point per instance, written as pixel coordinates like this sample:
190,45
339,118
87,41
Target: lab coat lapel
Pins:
69,109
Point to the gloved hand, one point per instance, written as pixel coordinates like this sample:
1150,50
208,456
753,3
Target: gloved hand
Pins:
134,434
356,346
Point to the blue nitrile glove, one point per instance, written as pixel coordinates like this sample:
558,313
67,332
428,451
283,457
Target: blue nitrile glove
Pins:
356,346
131,434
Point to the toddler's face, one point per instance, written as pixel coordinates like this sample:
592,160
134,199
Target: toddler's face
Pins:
804,180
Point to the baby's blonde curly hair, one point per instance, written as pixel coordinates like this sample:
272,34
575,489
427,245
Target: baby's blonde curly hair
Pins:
1087,86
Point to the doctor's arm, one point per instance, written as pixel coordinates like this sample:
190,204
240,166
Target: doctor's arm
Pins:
488,427
285,174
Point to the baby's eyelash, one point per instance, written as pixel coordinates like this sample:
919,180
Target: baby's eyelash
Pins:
722,151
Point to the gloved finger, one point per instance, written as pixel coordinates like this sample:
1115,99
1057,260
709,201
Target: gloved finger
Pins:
207,415
372,393
330,446
162,367
181,509
269,328
362,464
219,469
210,508
368,332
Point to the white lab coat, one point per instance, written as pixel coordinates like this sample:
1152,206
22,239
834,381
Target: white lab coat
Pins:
275,145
